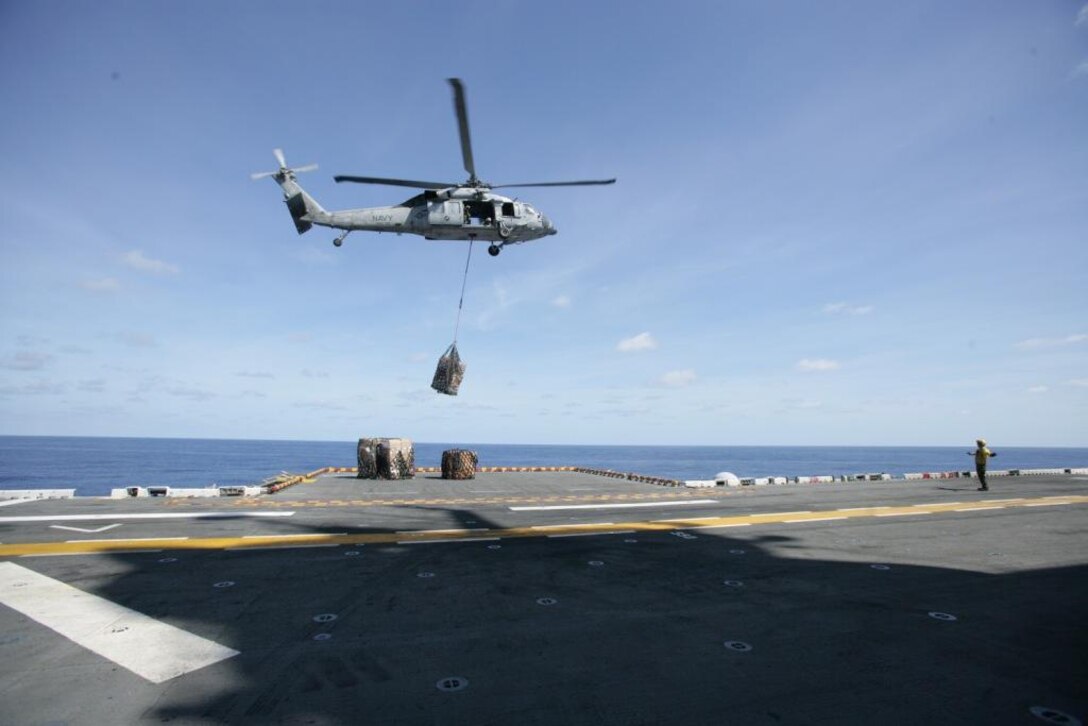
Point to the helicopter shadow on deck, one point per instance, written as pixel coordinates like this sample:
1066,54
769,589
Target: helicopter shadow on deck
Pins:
638,628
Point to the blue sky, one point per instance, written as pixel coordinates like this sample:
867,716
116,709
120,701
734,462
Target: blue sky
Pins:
835,223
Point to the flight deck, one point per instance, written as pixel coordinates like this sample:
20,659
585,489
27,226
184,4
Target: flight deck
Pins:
551,597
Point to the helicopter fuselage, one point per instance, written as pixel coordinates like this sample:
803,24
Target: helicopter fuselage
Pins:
446,214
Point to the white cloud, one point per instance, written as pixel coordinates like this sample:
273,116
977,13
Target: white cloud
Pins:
254,374
817,364
1038,389
193,394
37,388
678,379
137,261
561,302
847,309
642,341
1079,382
136,340
1081,69
307,373
25,360
1082,16
1033,343
104,285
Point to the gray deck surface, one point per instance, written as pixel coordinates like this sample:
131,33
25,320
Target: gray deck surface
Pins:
638,628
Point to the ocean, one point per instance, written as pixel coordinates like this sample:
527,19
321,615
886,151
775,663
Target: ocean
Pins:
93,466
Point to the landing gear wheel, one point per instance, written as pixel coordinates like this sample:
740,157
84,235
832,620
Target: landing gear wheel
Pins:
338,241
494,250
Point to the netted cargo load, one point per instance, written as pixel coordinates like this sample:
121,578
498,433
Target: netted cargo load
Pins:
396,459
450,372
367,458
459,464
386,459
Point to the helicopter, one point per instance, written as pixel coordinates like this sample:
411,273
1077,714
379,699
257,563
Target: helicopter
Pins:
443,211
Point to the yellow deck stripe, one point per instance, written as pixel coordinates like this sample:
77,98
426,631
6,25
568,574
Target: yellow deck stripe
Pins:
236,543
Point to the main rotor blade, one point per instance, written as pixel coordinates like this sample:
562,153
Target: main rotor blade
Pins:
308,167
278,153
462,124
393,182
584,183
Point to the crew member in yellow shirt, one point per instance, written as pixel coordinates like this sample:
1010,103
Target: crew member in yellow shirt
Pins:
981,455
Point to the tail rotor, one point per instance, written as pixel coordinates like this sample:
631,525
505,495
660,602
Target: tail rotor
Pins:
284,171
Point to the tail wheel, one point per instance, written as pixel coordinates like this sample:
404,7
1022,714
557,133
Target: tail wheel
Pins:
494,250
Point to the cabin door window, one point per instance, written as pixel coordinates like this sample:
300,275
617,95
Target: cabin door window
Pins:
445,214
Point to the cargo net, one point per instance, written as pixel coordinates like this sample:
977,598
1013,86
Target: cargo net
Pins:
368,459
459,464
449,373
386,459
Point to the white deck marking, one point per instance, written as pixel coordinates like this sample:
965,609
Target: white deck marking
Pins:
900,514
280,536
814,519
93,530
127,539
590,534
149,648
451,539
170,515
132,552
9,502
612,506
1046,504
279,547
685,519
720,526
441,531
974,509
